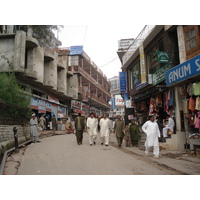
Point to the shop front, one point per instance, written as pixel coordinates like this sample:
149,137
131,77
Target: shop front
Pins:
185,80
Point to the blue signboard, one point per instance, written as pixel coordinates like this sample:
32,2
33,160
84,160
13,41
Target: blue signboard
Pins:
113,103
122,82
76,50
183,71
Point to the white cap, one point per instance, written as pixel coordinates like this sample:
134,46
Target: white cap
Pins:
33,114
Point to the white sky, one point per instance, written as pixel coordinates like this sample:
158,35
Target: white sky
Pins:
100,42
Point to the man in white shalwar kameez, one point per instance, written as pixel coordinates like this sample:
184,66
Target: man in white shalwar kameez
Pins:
92,129
153,133
170,125
105,127
33,129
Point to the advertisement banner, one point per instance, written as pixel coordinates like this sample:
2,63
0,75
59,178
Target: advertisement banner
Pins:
113,103
122,82
119,101
142,65
183,71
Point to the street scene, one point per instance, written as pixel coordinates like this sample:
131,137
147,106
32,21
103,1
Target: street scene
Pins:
136,112
61,155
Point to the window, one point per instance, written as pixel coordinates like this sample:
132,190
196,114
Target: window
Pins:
190,39
135,73
151,57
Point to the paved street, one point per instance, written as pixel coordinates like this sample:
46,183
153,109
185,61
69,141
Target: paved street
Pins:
60,155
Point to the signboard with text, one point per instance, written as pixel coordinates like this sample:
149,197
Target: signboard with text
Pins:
183,71
76,50
122,81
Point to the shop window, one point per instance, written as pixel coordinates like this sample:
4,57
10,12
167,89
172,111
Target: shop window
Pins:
151,57
135,71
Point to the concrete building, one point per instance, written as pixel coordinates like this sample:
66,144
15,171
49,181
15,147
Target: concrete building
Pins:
157,52
93,85
43,73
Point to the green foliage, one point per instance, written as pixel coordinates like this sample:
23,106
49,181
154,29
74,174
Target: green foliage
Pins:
16,102
43,33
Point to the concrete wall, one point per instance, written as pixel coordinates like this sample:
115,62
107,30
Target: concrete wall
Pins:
72,86
7,136
62,83
176,142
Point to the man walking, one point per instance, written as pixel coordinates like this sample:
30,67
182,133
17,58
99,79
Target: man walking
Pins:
153,133
79,126
134,133
53,120
92,129
119,130
105,127
33,129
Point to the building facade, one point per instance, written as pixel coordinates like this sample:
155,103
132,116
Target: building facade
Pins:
93,85
153,54
42,73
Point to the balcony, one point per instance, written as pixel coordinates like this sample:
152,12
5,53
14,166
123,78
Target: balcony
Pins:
89,78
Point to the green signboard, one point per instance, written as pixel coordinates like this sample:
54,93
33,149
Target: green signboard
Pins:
159,75
163,57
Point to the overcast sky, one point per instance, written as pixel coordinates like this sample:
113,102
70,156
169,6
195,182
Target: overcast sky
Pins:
100,42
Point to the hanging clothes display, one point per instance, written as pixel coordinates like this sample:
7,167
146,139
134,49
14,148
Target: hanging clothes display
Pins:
166,102
192,104
197,107
190,90
183,91
197,125
158,99
170,97
196,88
151,106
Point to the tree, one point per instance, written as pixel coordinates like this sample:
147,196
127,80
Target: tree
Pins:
43,33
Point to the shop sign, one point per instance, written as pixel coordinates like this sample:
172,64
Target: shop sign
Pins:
53,99
159,75
119,101
130,117
163,57
76,50
129,104
122,81
183,71
142,65
113,103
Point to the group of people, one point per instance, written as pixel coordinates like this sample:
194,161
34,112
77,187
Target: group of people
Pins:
103,125
131,133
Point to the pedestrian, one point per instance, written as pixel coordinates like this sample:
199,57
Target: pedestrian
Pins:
34,129
79,126
53,120
127,136
92,128
105,127
73,125
152,131
42,122
168,126
119,130
135,134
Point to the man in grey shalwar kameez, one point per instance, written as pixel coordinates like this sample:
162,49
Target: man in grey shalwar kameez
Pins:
34,131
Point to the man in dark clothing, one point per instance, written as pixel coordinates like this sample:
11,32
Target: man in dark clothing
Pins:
53,120
79,126
134,133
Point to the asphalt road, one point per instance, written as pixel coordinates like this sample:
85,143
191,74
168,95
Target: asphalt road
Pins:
60,155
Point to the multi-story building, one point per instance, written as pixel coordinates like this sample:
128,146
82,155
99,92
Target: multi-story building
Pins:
60,81
43,73
93,85
161,64
117,102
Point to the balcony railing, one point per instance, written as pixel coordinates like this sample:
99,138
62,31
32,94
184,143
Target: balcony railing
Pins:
89,78
136,43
